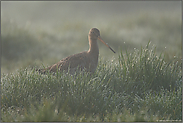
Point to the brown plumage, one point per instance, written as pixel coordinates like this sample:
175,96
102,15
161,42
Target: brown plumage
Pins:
87,60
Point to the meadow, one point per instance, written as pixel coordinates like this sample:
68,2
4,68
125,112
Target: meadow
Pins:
140,87
141,82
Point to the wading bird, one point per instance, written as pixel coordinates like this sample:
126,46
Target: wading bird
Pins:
87,60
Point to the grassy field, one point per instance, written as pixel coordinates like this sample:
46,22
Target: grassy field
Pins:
141,86
141,82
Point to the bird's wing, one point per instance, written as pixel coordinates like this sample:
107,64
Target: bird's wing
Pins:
71,62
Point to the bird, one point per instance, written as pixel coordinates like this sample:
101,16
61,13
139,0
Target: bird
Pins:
86,60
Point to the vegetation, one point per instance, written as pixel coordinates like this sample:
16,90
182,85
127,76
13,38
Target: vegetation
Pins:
140,87
141,82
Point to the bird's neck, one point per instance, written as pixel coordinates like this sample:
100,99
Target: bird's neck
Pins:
93,46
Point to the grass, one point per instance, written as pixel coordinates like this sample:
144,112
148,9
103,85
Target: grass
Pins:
141,86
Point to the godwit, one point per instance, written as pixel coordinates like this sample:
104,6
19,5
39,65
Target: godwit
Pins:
85,60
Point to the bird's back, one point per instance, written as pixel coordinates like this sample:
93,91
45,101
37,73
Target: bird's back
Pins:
72,63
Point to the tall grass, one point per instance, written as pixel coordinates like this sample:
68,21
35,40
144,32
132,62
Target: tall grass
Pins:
141,86
150,70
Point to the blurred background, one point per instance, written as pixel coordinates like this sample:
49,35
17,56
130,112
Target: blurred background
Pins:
41,33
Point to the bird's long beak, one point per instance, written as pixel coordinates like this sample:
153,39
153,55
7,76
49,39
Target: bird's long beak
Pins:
99,38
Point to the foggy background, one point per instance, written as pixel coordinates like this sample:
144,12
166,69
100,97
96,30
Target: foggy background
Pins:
36,32
54,12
